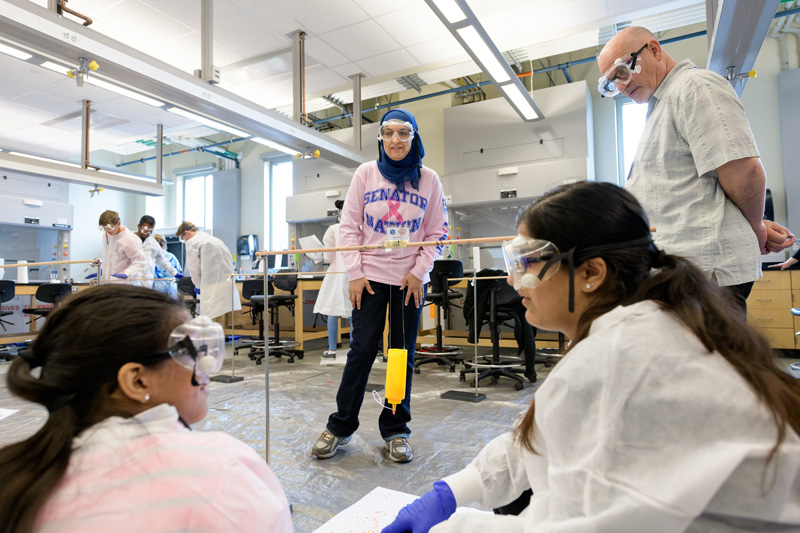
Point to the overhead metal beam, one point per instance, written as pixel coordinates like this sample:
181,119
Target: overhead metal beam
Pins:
737,30
63,40
33,167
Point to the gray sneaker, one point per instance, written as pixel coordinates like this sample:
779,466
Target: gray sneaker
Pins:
399,450
329,354
327,444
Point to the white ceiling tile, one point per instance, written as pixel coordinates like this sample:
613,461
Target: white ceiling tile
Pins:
323,52
188,12
413,25
440,49
246,36
134,23
319,78
394,61
272,17
376,8
322,16
53,106
250,4
348,69
361,40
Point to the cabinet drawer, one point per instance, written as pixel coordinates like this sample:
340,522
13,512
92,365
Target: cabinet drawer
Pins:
780,337
795,276
770,298
769,317
773,280
796,322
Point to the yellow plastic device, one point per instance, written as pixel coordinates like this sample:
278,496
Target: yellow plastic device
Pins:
396,377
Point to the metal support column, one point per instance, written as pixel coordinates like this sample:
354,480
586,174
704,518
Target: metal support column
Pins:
357,110
159,153
85,112
298,53
207,42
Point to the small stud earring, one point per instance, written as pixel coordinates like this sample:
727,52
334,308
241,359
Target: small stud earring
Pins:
146,398
589,285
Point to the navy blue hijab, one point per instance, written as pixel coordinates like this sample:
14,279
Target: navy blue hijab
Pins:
410,167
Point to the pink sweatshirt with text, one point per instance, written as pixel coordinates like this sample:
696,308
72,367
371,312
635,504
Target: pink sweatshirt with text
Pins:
372,206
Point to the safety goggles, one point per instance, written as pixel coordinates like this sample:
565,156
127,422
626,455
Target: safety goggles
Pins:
107,227
145,229
182,237
620,74
403,135
199,346
530,261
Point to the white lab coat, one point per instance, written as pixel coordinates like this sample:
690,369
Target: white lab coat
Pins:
333,298
639,428
155,256
123,254
209,263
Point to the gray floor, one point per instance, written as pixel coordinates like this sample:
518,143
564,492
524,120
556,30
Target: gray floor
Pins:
446,433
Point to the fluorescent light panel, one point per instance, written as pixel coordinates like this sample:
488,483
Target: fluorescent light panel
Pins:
207,121
55,67
450,10
47,159
13,52
274,145
124,92
519,101
483,54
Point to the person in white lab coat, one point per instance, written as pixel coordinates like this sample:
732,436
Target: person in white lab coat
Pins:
333,299
153,251
165,286
123,256
667,414
210,263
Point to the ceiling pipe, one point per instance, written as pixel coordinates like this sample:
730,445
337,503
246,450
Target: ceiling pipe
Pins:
62,6
198,149
562,67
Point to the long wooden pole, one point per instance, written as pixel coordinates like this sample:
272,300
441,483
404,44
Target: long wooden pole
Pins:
384,246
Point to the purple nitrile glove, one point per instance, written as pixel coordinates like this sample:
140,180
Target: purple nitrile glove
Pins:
178,275
422,514
120,276
91,276
197,291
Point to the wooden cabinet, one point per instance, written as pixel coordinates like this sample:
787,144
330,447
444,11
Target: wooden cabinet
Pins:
768,307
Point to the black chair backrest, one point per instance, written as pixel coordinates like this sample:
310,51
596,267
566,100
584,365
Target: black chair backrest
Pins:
251,287
7,291
505,293
285,282
451,268
186,285
52,293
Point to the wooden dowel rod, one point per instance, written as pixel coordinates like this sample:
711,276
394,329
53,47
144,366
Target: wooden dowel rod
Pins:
382,246
16,265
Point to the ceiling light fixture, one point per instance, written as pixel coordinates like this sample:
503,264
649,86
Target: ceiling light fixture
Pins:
274,145
13,52
47,159
55,67
476,42
207,121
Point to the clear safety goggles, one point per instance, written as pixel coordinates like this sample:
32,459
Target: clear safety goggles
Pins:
199,346
530,261
146,230
403,135
619,75
107,227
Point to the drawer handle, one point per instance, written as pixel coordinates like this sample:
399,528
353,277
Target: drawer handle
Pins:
765,318
763,299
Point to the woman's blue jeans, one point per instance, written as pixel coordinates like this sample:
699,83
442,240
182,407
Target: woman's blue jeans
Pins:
333,332
367,329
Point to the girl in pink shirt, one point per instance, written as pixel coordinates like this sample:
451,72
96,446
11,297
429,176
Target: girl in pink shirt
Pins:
395,195
123,375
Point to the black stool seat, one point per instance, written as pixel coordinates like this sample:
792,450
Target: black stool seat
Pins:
440,295
49,293
7,293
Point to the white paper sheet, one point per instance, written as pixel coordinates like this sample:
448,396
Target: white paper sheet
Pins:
6,412
370,514
311,242
374,512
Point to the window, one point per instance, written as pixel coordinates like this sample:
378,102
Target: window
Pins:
278,177
630,119
198,201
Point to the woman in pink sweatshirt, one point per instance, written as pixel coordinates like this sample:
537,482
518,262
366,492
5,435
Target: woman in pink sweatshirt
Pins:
123,373
393,198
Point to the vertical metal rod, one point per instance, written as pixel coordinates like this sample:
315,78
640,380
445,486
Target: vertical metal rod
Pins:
234,294
52,5
266,353
475,320
159,153
297,75
85,111
207,40
357,110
